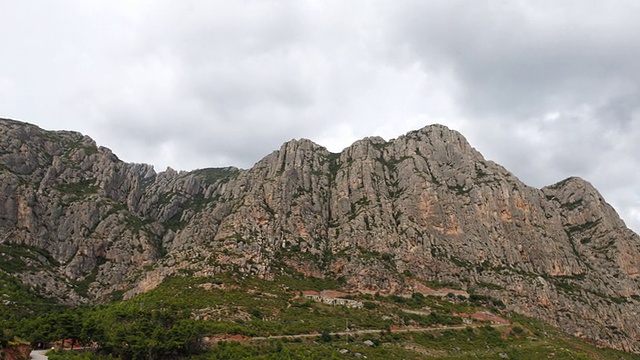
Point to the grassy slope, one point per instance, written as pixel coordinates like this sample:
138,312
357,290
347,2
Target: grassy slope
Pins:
227,305
260,308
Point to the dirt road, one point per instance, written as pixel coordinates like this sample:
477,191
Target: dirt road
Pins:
371,331
39,355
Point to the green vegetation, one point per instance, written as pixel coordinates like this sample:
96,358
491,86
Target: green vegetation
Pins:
334,165
136,223
80,188
82,286
583,227
391,164
20,309
572,205
18,257
484,300
213,175
77,142
560,183
485,342
173,321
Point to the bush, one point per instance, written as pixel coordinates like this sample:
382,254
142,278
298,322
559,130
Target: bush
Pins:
4,339
325,337
369,305
256,313
418,297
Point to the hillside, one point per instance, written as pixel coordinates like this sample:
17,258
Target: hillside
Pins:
235,317
386,217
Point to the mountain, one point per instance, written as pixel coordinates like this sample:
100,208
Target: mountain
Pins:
388,217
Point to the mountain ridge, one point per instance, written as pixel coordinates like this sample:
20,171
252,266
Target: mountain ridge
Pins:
424,206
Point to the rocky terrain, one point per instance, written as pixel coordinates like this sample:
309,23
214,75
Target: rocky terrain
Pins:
81,225
16,352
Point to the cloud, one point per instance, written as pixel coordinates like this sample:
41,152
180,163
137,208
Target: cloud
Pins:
232,83
515,58
547,89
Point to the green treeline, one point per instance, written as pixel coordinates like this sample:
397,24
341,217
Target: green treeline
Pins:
126,333
122,329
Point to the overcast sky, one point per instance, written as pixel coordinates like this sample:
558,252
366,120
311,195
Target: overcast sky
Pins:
549,89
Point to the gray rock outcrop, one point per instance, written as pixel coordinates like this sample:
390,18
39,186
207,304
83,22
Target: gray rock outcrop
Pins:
423,206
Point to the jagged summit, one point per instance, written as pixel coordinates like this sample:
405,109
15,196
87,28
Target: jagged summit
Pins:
380,215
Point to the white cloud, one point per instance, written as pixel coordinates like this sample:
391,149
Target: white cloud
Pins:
7,87
549,90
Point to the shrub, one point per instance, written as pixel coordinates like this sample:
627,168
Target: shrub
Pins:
256,313
369,305
325,337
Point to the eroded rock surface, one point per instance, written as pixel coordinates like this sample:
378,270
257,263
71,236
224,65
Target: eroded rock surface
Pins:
380,214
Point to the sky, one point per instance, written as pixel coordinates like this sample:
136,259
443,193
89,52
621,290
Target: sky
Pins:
548,89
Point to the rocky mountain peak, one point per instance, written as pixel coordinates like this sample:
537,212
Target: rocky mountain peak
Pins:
384,216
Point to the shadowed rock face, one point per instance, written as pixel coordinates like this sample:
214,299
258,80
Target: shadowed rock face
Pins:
379,214
16,352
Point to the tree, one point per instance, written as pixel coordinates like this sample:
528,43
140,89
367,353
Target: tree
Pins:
92,331
67,326
4,338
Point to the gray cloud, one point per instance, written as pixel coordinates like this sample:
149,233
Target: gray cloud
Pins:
516,58
547,89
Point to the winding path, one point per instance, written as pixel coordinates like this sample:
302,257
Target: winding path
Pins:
373,331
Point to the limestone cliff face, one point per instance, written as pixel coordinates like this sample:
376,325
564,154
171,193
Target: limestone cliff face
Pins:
380,214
